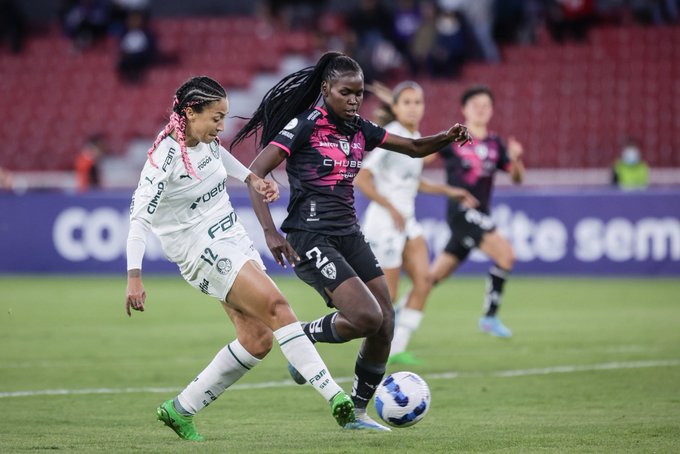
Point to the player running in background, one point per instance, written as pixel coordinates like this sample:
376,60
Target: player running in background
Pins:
182,197
473,166
392,181
323,148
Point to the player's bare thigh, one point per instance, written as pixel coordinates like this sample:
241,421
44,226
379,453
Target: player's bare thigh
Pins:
254,293
443,265
499,249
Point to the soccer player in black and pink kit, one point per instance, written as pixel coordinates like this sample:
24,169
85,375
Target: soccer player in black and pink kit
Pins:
323,147
473,166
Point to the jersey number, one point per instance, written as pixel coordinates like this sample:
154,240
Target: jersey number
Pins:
315,253
209,256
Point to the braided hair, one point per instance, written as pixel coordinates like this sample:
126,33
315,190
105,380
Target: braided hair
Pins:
196,93
293,95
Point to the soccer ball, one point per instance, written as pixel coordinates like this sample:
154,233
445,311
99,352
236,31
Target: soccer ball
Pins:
402,399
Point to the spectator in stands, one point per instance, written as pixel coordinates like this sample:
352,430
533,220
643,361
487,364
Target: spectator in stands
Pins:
12,25
87,163
85,21
422,41
372,24
570,19
407,19
655,12
451,46
137,47
630,171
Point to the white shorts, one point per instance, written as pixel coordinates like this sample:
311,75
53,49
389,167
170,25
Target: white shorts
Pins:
386,241
215,265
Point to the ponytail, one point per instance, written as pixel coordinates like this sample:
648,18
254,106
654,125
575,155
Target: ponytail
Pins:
293,95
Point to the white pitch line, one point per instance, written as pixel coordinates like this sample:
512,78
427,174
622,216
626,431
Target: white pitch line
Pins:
438,376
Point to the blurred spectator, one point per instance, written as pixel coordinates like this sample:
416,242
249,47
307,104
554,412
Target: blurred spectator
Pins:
655,12
137,47
480,15
87,163
407,20
295,14
630,171
452,44
372,24
570,19
12,25
515,21
85,21
5,179
423,39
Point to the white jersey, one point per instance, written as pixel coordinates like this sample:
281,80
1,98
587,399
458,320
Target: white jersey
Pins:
396,176
183,211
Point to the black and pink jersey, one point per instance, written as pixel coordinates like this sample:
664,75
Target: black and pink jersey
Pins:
473,166
321,167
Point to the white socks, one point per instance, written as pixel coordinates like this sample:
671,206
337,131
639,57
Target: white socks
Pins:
301,354
230,364
407,322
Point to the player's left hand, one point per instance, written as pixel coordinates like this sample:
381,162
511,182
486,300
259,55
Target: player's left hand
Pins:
460,134
515,149
268,188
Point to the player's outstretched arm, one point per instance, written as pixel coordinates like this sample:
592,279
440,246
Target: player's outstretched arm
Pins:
364,181
269,159
452,192
418,148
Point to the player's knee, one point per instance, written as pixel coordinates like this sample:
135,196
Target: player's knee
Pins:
507,260
258,342
423,283
367,323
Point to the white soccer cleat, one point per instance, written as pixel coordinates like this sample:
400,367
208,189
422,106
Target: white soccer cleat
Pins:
365,422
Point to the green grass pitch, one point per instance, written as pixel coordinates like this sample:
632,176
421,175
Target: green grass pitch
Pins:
594,366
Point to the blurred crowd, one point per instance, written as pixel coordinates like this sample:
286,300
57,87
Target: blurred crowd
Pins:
437,37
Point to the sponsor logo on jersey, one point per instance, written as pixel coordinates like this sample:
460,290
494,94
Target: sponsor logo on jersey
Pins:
207,160
151,209
168,159
222,225
352,164
205,198
314,115
482,151
329,271
223,266
292,124
290,135
344,146
204,286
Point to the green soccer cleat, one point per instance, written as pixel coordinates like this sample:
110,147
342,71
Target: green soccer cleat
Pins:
406,358
182,425
342,408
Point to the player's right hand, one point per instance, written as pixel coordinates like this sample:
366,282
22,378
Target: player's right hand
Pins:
135,296
281,249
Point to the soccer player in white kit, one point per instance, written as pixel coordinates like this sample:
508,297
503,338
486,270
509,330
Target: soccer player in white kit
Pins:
182,198
391,181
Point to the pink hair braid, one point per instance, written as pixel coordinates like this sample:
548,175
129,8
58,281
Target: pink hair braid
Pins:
180,124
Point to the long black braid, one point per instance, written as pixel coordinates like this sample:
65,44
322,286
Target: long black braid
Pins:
293,95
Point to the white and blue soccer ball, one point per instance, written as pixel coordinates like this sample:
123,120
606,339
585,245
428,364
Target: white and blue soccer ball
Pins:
402,399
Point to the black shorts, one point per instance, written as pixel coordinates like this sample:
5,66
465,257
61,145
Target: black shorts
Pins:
327,261
467,229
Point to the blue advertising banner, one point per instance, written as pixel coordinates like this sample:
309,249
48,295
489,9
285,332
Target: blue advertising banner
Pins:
585,232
